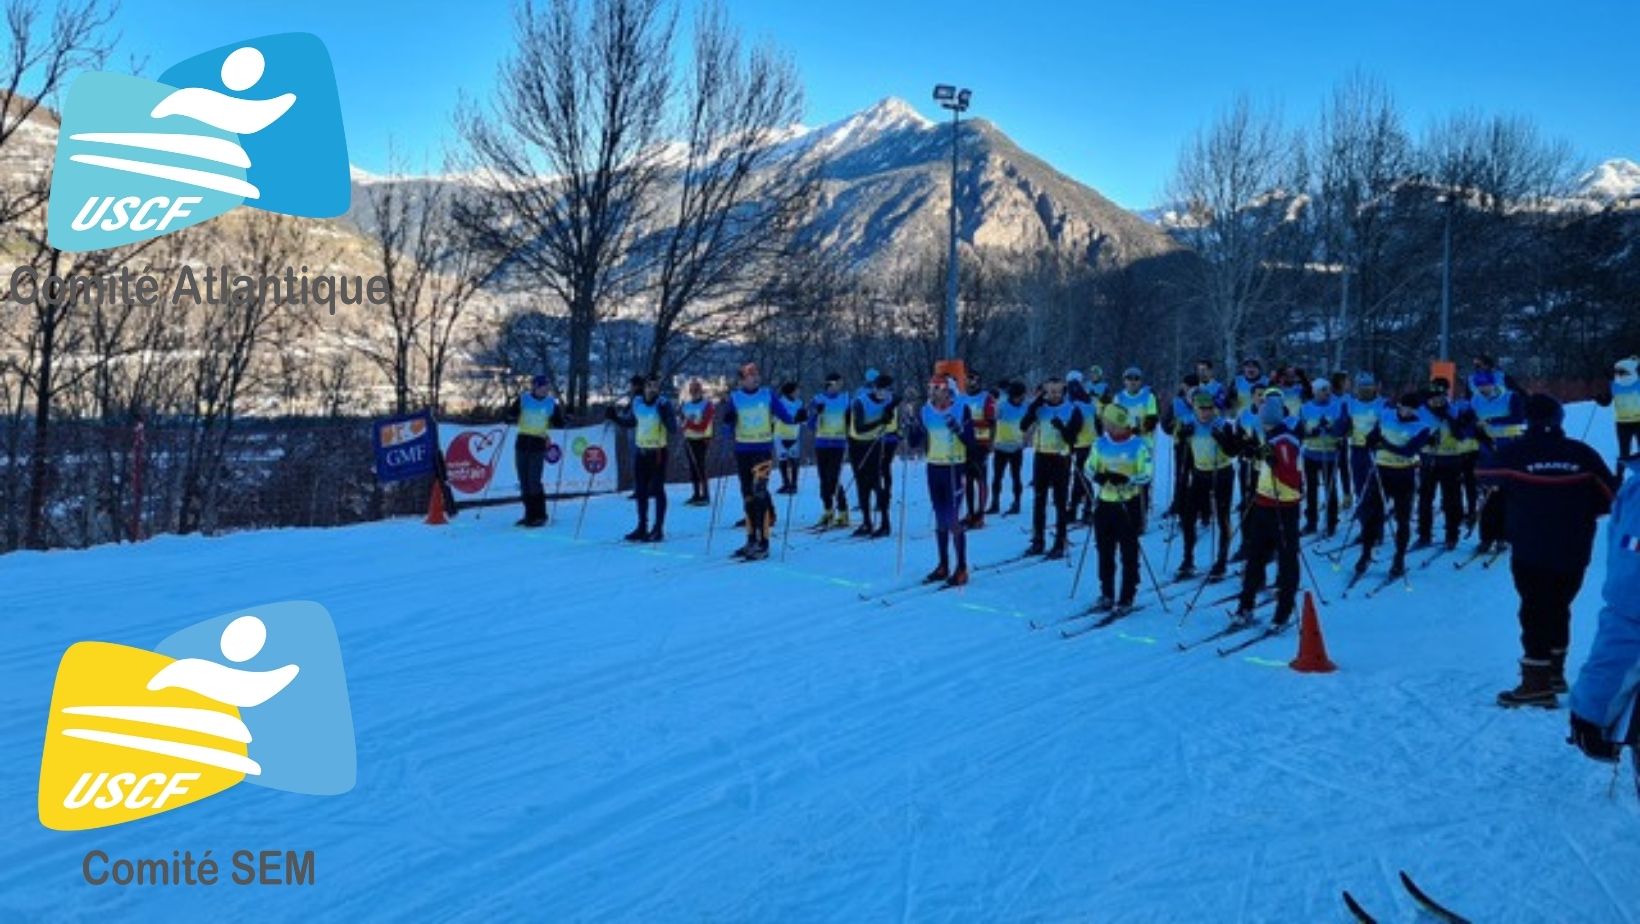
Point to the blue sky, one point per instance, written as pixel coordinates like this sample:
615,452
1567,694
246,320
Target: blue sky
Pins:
1106,91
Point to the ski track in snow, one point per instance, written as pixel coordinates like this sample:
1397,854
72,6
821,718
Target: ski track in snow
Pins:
565,730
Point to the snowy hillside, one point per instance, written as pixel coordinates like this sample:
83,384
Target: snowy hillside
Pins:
561,730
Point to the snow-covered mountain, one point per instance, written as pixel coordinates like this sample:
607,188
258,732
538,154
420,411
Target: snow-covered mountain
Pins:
1614,181
886,190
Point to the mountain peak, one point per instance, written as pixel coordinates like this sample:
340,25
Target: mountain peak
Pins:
892,112
1613,181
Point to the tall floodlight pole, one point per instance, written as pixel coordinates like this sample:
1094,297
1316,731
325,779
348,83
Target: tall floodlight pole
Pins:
955,100
1446,283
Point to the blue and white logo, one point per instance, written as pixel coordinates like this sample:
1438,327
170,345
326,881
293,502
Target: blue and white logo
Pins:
255,123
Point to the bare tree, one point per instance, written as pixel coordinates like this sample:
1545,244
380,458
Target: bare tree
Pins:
568,154
733,218
1235,181
433,271
1363,154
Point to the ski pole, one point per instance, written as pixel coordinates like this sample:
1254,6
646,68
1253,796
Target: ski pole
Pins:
558,487
1304,558
717,501
1234,532
1145,562
786,531
899,553
1087,543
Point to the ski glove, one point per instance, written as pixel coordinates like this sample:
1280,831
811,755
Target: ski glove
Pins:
1116,478
1591,740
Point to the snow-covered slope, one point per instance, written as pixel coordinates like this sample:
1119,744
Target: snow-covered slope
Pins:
561,730
1613,181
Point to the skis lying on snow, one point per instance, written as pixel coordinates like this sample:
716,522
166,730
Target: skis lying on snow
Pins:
1384,584
1268,632
1487,558
1233,628
1110,617
1429,905
888,596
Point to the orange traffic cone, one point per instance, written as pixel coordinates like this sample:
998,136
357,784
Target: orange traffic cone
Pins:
1312,649
435,506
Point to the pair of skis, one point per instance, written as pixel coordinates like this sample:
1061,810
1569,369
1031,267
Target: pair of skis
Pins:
889,596
1430,905
1107,618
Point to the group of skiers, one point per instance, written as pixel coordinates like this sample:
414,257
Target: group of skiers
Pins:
1269,458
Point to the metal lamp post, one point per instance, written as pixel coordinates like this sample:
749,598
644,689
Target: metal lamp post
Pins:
949,97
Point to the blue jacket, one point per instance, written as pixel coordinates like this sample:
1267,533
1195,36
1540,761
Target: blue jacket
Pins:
1610,681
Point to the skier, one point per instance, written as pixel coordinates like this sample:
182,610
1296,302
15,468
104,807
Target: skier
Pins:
1096,385
1452,424
698,413
1081,506
1363,410
1551,490
749,414
1119,467
1246,386
870,415
1212,447
1624,398
828,415
1180,413
1502,415
1609,684
982,411
1207,379
788,436
1140,403
649,415
1396,444
1250,432
1056,422
949,431
1270,527
1321,424
1292,392
535,411
1008,445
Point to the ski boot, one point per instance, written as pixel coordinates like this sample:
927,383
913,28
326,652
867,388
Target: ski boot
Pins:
656,535
1103,605
1308,530
1423,542
977,521
638,535
1013,509
824,523
1122,608
1057,551
1186,572
1242,618
937,575
882,529
1364,562
996,507
1036,547
1398,566
840,519
759,550
1217,572
863,531
1451,544
958,578
1536,687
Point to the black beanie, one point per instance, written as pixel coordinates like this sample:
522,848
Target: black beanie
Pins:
1544,410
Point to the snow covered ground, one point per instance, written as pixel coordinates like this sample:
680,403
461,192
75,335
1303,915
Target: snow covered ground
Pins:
560,730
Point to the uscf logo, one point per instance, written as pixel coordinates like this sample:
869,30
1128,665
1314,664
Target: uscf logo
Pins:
257,122
254,697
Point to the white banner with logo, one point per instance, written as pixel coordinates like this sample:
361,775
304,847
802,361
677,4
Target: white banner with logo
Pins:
479,460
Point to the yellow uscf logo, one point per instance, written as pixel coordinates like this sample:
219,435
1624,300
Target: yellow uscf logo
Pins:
123,743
